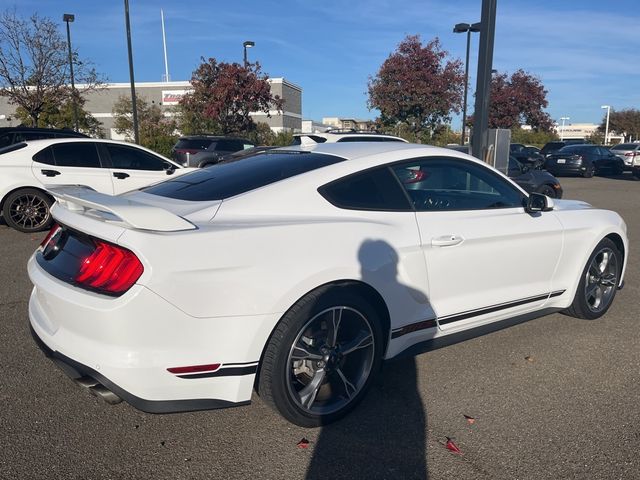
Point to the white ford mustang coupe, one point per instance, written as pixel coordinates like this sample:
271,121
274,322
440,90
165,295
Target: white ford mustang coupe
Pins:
298,271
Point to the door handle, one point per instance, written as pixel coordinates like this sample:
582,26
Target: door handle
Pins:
446,240
121,175
50,173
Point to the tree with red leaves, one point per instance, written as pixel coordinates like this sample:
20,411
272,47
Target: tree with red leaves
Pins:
223,96
417,87
518,101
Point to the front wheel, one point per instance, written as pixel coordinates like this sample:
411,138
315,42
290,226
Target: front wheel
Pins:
598,283
322,357
547,190
27,210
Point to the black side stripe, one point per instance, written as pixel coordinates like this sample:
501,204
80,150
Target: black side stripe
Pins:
476,313
225,372
425,324
413,327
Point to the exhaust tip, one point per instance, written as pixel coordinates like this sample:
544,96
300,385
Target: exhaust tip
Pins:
106,394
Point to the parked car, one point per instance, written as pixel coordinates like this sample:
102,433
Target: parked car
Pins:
27,169
552,147
11,135
584,160
235,156
534,180
206,150
299,270
628,152
343,136
530,156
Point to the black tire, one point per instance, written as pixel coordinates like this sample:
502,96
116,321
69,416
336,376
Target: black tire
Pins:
618,170
27,210
589,172
595,283
547,190
298,352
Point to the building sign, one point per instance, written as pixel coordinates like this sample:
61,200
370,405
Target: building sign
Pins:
172,97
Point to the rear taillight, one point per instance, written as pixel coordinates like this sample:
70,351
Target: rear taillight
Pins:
630,154
109,269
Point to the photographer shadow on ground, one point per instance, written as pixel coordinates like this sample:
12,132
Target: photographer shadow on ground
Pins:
385,436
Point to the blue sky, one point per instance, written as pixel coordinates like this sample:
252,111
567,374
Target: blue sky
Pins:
587,53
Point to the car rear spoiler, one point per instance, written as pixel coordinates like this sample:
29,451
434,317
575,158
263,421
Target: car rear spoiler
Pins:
115,209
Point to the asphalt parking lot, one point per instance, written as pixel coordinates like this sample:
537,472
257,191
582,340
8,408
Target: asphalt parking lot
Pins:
554,397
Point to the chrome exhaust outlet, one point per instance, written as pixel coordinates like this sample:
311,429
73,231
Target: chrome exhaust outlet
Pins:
106,394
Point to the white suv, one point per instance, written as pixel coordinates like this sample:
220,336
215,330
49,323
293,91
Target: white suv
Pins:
339,136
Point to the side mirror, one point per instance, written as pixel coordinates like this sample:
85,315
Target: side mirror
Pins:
169,168
538,202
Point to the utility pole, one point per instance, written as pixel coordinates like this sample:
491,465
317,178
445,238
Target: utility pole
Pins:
483,84
134,105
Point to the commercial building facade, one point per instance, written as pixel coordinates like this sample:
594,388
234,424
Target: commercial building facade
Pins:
99,103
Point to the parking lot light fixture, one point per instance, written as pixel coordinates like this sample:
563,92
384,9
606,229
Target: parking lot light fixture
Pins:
69,18
563,119
462,28
247,44
606,129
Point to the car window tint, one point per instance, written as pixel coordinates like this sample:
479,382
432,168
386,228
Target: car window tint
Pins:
44,156
80,154
130,158
375,189
6,139
455,184
226,180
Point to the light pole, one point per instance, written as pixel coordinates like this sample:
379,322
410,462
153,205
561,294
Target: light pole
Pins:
134,105
606,129
563,119
69,18
462,28
247,44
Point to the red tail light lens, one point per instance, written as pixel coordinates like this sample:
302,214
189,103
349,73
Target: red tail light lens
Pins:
109,269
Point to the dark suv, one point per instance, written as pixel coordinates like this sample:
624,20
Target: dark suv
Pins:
584,160
11,135
206,150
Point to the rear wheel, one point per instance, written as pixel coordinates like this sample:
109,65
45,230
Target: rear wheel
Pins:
599,282
27,210
322,357
589,172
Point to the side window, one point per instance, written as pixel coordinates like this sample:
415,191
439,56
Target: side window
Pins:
225,146
45,156
455,184
80,154
129,158
375,189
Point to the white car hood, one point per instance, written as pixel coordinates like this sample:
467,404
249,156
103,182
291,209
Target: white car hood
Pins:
570,205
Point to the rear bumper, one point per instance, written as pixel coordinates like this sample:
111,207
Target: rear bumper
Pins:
566,170
77,371
127,344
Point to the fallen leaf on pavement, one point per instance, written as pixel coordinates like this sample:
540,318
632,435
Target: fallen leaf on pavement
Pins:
470,420
452,446
304,443
529,359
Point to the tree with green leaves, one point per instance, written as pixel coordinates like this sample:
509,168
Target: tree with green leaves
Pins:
34,66
62,116
623,122
418,88
157,131
223,96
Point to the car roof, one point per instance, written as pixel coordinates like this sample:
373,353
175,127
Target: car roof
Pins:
210,137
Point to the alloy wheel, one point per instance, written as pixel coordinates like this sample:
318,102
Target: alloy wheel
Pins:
601,280
29,211
330,360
